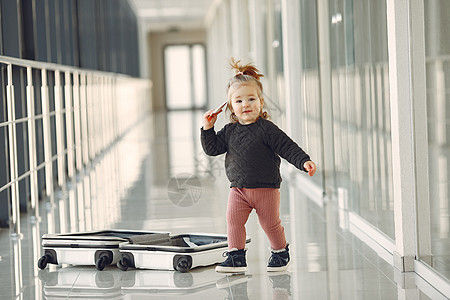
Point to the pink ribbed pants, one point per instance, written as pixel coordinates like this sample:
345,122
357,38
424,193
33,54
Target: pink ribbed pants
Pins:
266,203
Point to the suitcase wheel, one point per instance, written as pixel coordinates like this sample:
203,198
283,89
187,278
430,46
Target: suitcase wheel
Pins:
103,259
126,261
49,257
123,264
101,263
42,262
182,263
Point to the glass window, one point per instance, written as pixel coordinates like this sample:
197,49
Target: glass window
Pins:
178,74
361,109
185,86
437,50
11,34
185,76
199,75
311,118
275,98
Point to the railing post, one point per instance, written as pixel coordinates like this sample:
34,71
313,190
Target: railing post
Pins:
32,146
16,267
77,121
47,134
69,124
104,124
107,104
61,158
14,212
90,112
110,98
114,106
84,119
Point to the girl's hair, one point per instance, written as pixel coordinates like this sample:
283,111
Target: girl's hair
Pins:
244,74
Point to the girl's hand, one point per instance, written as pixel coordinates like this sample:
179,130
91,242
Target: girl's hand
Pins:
209,120
310,167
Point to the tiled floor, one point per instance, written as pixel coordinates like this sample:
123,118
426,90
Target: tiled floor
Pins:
134,186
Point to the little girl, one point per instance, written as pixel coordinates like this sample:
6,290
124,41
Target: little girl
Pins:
253,146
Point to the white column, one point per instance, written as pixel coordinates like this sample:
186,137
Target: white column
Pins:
292,55
400,88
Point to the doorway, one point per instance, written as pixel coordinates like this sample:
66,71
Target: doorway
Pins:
185,77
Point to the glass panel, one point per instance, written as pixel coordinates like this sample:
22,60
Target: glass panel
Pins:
275,98
361,109
185,76
311,119
261,49
178,77
11,34
437,49
277,42
199,76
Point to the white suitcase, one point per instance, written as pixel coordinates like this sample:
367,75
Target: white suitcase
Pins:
179,252
99,248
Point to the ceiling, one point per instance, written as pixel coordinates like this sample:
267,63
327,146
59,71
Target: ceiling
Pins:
172,15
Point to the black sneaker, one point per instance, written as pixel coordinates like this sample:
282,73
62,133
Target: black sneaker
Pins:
279,260
235,262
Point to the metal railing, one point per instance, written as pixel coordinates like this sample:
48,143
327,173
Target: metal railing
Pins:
80,114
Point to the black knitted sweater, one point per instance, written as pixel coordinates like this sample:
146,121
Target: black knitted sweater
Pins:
253,152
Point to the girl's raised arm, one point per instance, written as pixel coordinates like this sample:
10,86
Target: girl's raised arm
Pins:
209,120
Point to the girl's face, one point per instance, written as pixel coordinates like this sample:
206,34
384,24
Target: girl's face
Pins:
246,103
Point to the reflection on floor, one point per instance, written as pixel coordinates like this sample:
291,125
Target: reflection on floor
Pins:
140,184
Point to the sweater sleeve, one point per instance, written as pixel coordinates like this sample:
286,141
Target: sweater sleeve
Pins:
213,144
285,147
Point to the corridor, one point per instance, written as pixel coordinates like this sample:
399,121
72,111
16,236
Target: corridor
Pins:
100,115
133,185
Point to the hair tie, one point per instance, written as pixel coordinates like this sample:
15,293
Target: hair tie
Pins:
239,73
